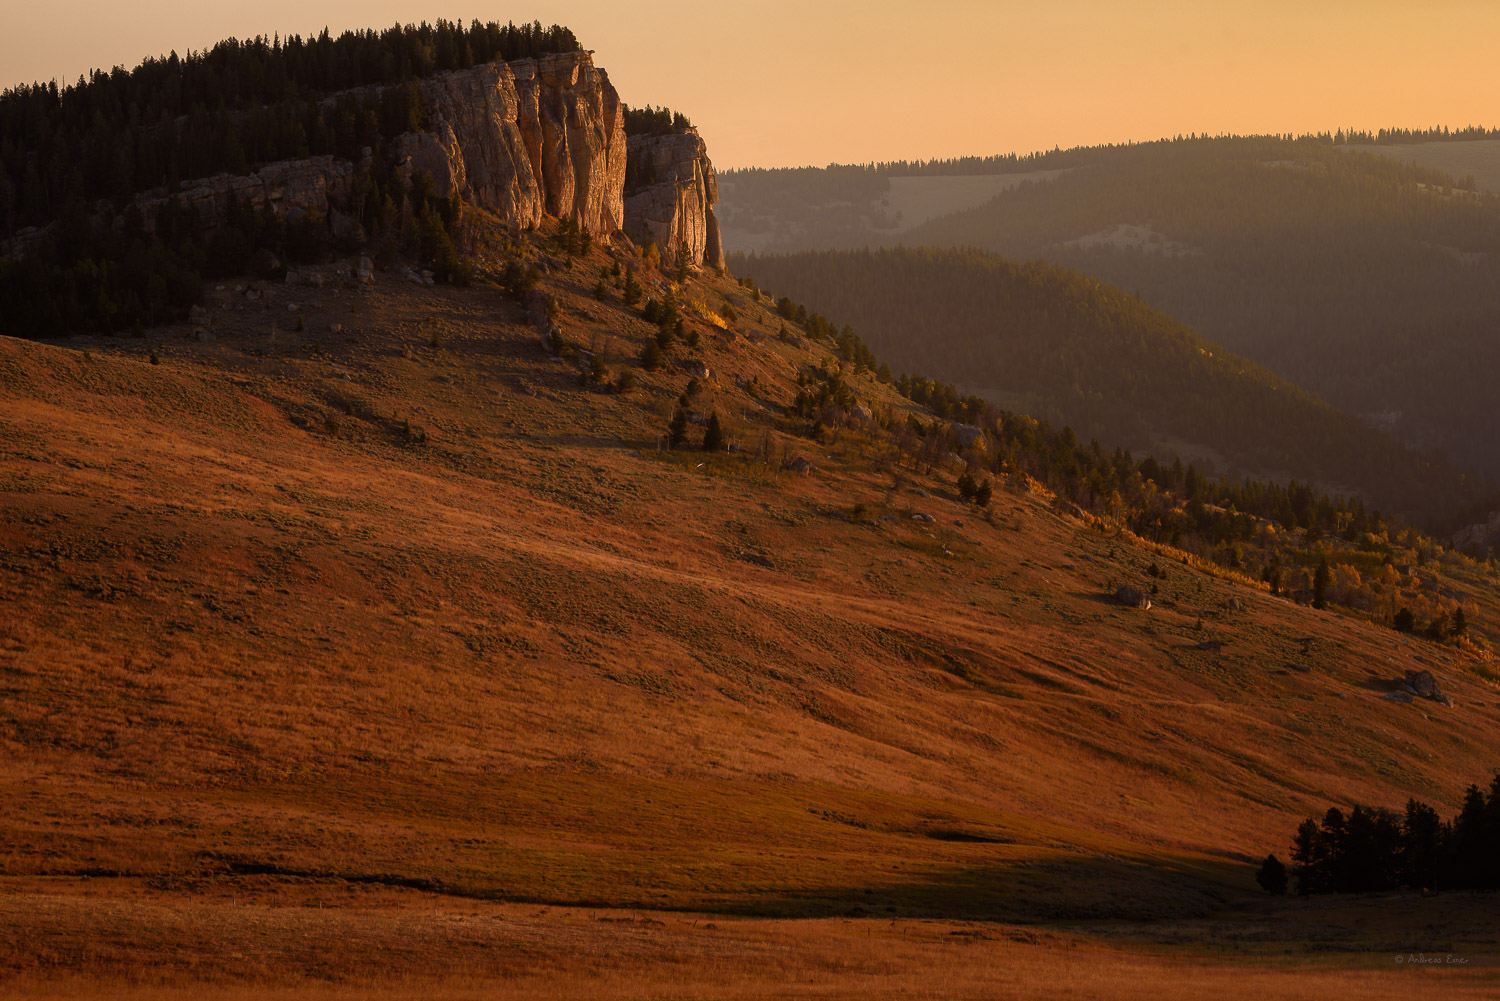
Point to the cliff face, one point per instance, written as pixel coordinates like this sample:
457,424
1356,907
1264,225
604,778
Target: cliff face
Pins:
673,195
526,139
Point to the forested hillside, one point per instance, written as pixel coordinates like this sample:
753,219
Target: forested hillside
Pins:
72,159
1373,283
1062,346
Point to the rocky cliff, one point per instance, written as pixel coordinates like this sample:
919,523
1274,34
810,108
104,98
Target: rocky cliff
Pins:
523,139
526,139
672,196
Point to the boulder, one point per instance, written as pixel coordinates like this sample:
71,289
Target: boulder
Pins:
1423,684
1131,598
801,466
203,334
922,516
698,369
365,271
967,434
1212,646
862,413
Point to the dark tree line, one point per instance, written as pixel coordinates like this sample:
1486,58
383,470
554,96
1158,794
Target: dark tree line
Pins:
1372,849
649,121
232,107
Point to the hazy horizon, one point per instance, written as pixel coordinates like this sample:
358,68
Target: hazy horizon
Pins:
872,85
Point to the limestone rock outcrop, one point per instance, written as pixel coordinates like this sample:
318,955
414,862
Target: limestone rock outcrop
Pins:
525,139
671,197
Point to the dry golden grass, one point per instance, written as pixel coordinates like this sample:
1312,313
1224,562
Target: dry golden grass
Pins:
312,943
479,637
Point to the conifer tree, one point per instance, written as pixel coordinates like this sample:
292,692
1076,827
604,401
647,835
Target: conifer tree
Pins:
713,437
1321,580
677,430
1272,876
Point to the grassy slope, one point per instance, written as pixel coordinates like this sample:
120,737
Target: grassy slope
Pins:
529,659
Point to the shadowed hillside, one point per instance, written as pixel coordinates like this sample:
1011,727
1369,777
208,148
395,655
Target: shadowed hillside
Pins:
1059,345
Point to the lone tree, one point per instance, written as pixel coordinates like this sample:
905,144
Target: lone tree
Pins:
1321,580
1272,876
713,438
677,430
1404,621
651,357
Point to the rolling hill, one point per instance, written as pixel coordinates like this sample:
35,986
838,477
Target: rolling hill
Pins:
403,607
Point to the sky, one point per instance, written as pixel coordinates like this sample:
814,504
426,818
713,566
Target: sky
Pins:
809,82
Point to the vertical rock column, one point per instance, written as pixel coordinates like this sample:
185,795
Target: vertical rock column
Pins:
675,191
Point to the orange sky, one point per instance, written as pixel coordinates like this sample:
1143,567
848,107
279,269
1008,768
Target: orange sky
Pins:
790,82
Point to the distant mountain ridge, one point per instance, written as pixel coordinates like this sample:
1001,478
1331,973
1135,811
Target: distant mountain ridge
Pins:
1373,283
1066,347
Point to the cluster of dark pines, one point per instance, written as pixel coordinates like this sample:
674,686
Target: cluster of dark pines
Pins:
1369,850
649,121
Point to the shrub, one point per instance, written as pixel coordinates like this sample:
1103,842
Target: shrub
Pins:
517,280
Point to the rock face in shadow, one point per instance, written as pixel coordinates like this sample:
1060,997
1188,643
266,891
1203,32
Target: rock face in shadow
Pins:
288,187
526,139
671,197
